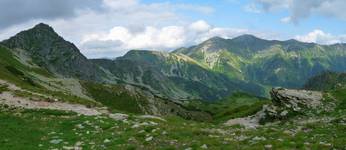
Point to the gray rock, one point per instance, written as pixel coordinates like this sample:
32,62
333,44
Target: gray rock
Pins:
204,146
295,99
56,141
288,101
118,116
150,138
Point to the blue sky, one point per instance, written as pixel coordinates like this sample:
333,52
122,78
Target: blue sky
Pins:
110,28
232,13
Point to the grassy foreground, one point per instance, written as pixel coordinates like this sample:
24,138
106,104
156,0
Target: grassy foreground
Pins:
48,129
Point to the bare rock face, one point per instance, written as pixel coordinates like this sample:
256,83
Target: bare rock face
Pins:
296,100
287,102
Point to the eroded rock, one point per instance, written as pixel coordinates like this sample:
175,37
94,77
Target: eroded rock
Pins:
287,102
296,100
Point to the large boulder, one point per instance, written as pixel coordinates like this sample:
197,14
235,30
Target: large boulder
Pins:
287,102
295,100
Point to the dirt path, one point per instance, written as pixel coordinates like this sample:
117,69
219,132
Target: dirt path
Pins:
10,99
248,122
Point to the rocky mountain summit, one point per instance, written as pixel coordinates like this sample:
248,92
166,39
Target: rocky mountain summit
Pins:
43,47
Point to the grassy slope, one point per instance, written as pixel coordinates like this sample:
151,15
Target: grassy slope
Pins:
12,70
19,74
38,128
326,81
114,97
238,105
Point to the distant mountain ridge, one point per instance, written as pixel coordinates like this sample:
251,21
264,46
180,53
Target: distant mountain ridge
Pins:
268,62
175,75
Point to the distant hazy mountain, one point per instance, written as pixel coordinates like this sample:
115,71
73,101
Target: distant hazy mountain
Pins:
269,62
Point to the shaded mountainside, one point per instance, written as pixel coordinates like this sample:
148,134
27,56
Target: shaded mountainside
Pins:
43,47
269,62
175,76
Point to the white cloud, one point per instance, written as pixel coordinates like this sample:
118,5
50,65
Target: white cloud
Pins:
157,38
319,36
119,4
200,26
200,9
125,39
286,20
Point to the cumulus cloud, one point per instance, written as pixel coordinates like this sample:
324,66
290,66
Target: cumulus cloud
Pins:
120,39
319,36
302,9
200,26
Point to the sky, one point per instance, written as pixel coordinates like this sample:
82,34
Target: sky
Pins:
110,28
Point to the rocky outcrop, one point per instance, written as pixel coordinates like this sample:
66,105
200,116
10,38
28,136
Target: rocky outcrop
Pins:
287,102
295,100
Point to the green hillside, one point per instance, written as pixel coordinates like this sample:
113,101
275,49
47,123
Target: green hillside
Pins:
274,63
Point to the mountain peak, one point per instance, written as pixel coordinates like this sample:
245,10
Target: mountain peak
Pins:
246,37
40,35
43,26
216,38
140,53
50,51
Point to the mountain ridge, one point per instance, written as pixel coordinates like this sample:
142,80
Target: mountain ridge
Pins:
287,63
173,76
